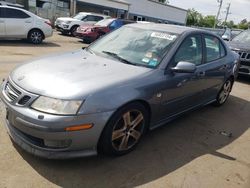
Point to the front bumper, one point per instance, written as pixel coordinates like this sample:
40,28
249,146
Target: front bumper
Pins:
244,70
63,28
47,137
84,37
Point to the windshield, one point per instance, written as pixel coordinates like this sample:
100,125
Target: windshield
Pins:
104,22
79,16
243,37
135,46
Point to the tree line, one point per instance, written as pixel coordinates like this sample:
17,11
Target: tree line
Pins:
195,18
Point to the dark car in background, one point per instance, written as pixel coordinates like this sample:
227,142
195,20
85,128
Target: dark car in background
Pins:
241,45
229,34
226,34
90,33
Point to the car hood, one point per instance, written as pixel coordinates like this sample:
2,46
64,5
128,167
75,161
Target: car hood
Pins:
74,75
237,45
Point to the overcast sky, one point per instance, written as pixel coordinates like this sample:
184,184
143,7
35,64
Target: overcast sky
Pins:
240,9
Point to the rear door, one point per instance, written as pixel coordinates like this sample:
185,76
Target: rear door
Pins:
17,22
2,23
215,66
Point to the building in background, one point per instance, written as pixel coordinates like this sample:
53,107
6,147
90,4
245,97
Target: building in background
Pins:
154,11
138,10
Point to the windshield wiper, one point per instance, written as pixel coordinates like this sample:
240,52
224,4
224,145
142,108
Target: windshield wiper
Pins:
112,54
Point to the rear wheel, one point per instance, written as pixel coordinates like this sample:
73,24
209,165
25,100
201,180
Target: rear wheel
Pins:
224,93
124,130
35,36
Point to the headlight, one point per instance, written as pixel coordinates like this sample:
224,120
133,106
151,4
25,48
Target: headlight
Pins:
68,22
56,106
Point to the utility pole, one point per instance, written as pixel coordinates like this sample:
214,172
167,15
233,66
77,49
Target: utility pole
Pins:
227,12
218,13
72,7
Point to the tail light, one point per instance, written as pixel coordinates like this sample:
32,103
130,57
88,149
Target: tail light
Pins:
48,23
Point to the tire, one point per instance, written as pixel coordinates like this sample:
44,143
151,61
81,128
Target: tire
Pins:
224,93
124,130
35,36
73,30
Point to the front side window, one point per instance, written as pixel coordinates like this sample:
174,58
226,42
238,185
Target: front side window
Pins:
214,48
135,45
14,13
91,18
190,51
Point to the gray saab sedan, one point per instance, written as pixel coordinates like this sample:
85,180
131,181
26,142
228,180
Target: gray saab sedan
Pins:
102,99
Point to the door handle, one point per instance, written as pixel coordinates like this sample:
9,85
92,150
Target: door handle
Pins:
201,74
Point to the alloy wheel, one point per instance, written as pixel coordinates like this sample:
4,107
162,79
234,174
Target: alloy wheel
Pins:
36,37
225,92
128,130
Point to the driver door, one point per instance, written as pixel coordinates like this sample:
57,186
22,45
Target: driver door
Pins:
184,91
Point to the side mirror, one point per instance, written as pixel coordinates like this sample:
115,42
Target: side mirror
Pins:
225,37
184,67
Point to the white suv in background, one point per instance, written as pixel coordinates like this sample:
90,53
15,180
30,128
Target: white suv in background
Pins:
68,25
18,23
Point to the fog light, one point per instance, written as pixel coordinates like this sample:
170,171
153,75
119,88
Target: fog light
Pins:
79,127
57,143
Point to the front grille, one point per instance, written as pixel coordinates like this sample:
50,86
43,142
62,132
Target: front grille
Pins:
245,63
24,100
11,92
244,56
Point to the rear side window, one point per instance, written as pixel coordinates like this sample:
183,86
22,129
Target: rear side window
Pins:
214,48
14,13
91,18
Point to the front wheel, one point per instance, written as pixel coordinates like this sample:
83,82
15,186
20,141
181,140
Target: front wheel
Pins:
35,37
224,93
73,30
124,130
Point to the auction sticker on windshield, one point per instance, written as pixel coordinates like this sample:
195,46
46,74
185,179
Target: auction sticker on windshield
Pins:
162,35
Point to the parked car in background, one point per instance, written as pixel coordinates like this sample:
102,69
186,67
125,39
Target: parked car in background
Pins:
90,33
68,25
105,97
229,34
241,45
16,23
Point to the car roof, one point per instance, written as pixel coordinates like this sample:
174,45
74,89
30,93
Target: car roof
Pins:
164,27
